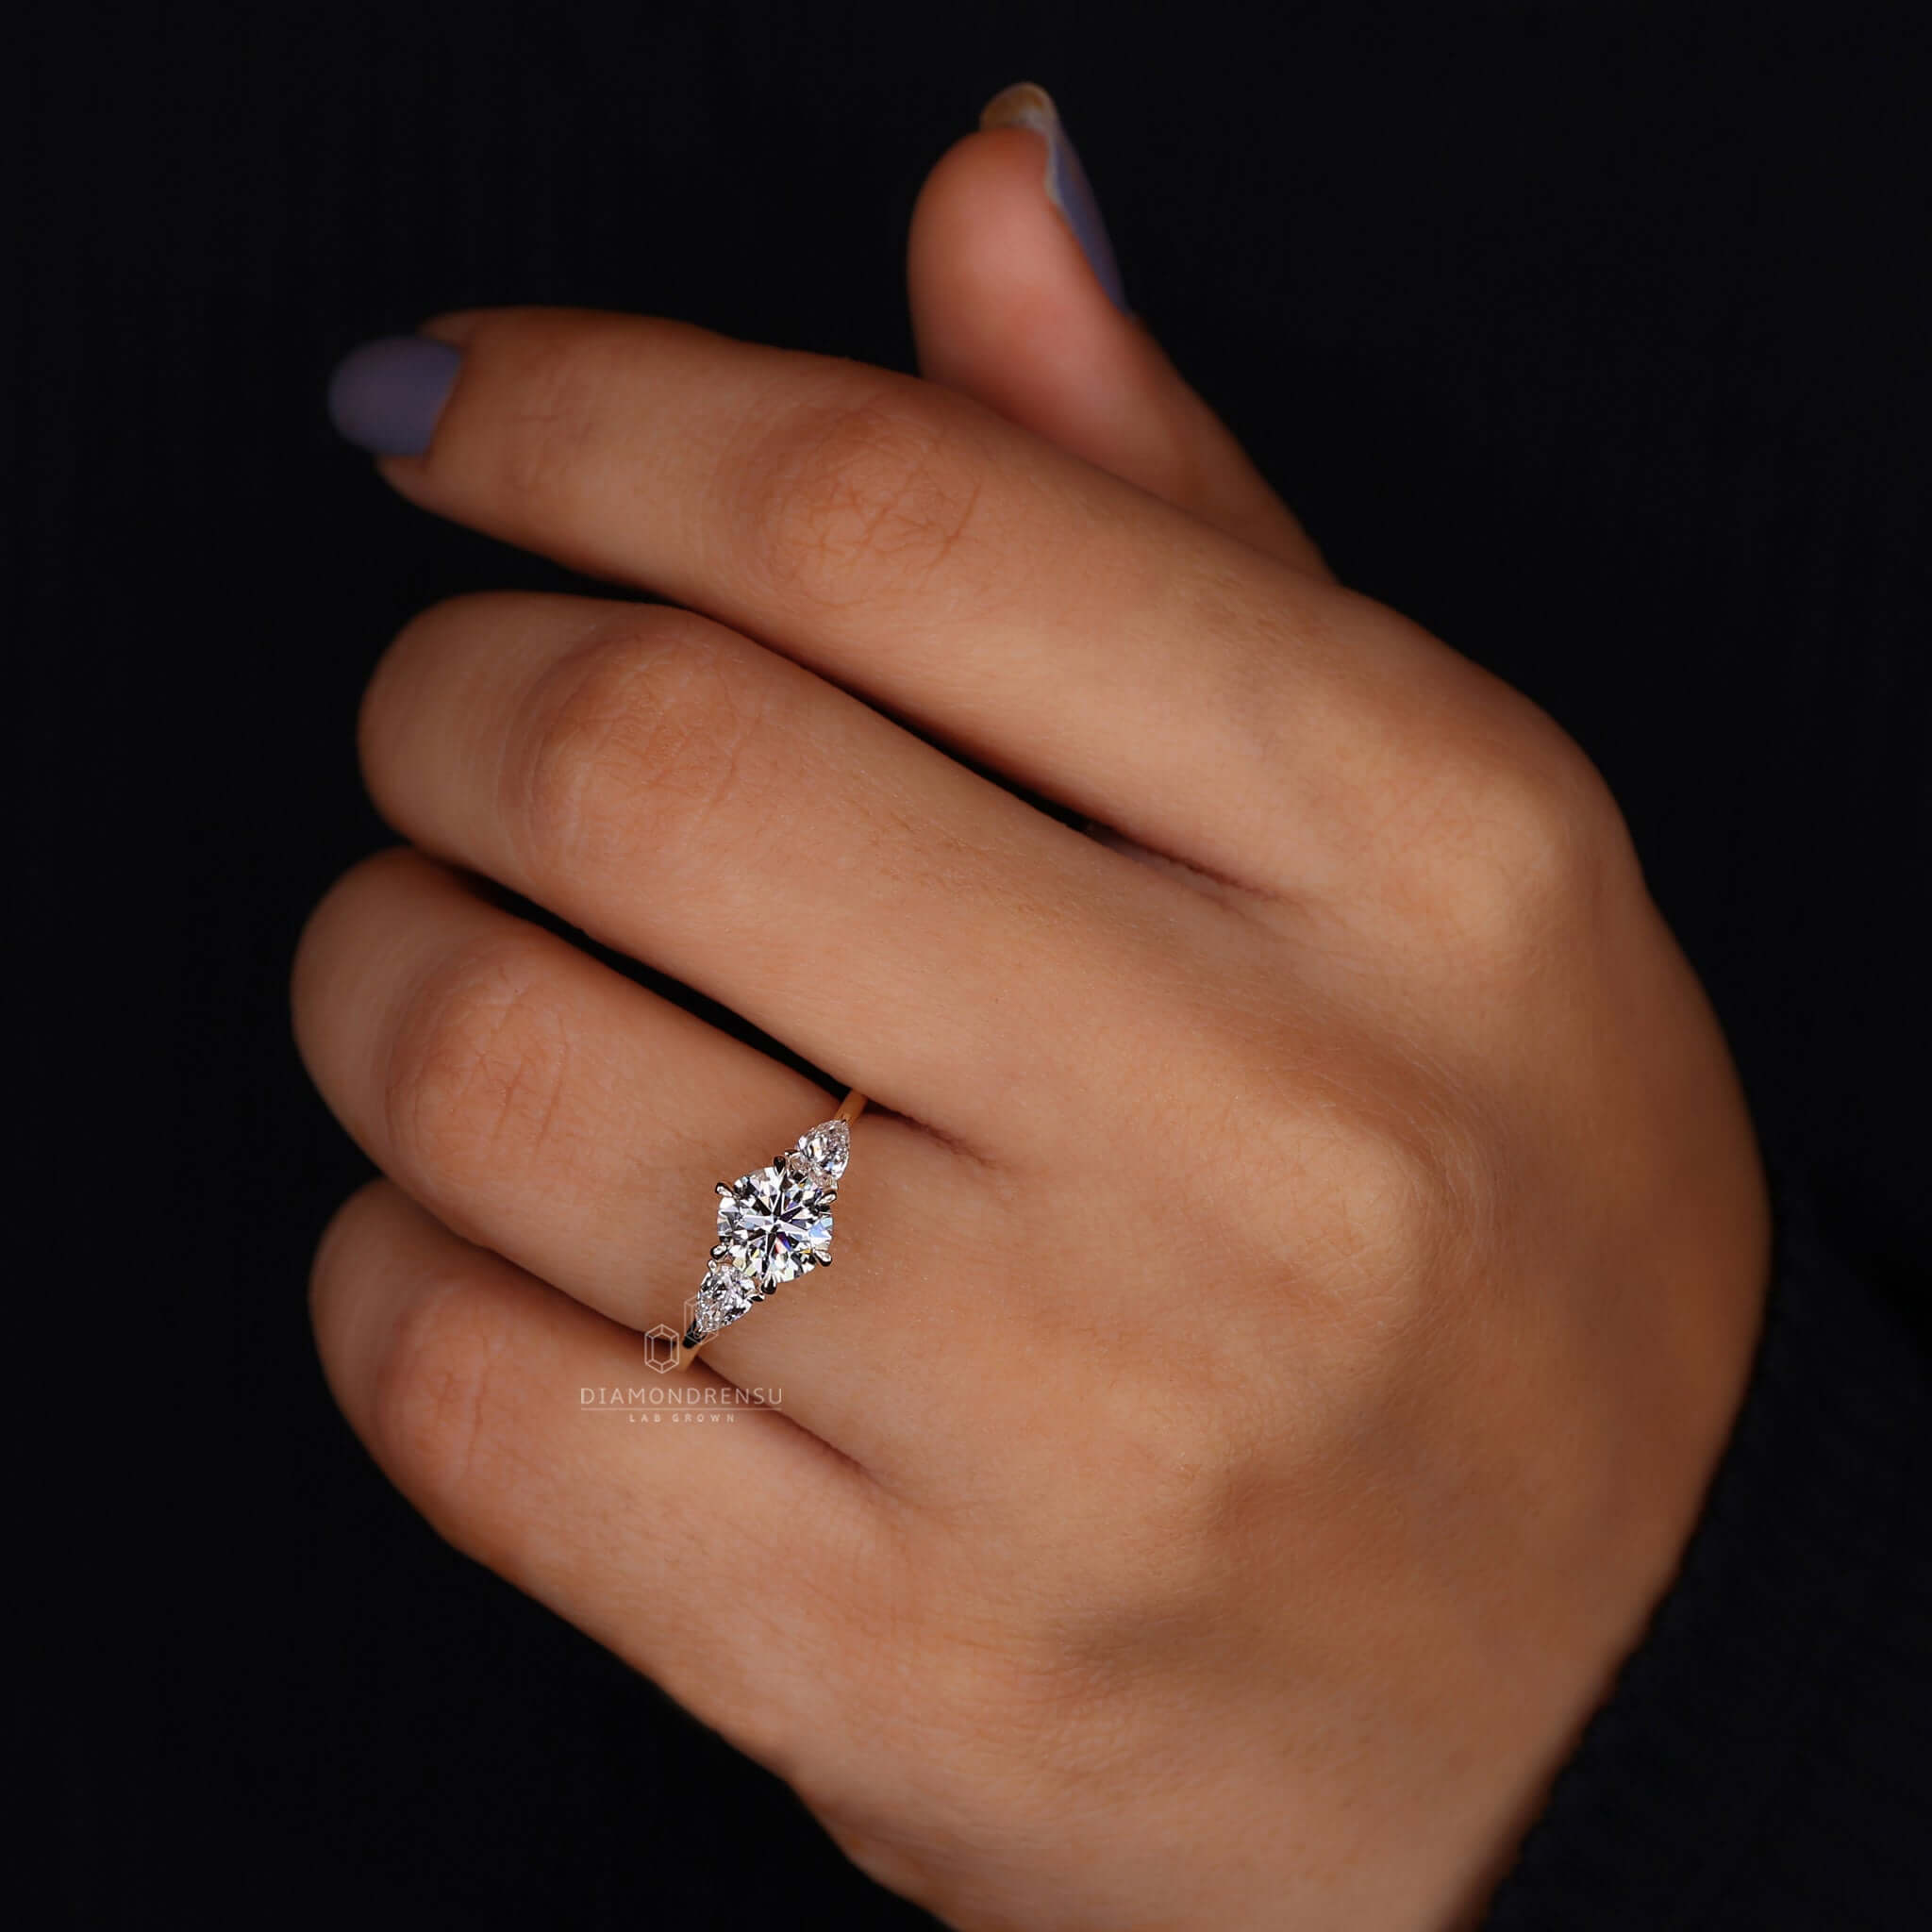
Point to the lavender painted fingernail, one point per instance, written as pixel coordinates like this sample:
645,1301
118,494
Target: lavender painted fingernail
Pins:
1024,105
385,397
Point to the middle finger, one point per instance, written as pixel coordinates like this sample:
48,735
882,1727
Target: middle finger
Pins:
709,807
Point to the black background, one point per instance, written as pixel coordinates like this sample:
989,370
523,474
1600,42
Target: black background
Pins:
1593,336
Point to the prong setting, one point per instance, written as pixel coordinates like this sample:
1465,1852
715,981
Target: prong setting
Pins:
774,1224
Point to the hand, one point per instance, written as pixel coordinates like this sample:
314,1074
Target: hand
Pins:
1303,1260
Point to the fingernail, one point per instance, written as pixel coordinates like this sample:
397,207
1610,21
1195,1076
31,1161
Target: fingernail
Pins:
385,397
1024,105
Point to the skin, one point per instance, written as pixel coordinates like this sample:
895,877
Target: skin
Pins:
1303,1260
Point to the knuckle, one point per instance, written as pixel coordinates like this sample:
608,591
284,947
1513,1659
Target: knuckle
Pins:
1541,834
1159,1543
437,1387
1192,1453
857,498
478,1067
1396,1189
1339,1175
1358,1192
991,1671
1523,855
631,740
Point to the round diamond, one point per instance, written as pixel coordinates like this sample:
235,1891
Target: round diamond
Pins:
774,1224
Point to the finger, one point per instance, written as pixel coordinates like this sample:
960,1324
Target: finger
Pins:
465,1378
541,1104
1007,307
715,810
1042,616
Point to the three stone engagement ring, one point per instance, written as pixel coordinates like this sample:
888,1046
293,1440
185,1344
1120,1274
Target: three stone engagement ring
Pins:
774,1224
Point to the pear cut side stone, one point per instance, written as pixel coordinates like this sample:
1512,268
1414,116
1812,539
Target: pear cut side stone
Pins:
723,1296
826,1149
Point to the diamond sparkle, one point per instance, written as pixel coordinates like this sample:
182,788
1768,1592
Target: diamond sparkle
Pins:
826,1148
776,1223
773,1226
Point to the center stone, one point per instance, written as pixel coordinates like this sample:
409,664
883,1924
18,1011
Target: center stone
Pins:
775,1222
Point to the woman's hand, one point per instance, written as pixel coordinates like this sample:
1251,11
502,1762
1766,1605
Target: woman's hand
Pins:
1303,1260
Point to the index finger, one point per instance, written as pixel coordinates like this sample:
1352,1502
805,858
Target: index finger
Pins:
1039,615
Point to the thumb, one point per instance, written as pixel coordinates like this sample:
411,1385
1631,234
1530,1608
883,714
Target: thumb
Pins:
1016,300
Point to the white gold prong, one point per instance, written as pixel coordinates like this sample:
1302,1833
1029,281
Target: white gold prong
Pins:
774,1224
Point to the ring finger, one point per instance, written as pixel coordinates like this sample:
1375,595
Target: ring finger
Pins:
541,1106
